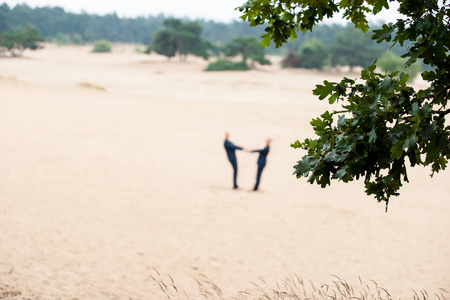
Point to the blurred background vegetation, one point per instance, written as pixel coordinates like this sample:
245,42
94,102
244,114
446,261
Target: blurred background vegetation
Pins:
328,46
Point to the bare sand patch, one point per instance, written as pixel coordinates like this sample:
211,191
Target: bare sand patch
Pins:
98,189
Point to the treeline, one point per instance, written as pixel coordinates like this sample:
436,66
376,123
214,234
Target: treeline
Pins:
55,24
328,45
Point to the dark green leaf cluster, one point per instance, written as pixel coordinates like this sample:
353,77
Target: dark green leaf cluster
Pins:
287,17
384,124
381,128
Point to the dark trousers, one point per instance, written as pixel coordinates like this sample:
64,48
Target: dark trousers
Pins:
258,176
235,168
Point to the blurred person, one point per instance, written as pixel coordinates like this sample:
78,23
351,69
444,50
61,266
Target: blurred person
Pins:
262,159
230,148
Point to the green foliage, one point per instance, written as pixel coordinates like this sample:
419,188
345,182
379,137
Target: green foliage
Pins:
384,124
20,39
390,62
101,46
248,48
226,65
286,17
180,38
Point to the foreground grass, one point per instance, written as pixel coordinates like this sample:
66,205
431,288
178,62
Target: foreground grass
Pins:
295,288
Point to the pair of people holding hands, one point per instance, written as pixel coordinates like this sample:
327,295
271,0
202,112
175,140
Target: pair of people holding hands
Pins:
230,148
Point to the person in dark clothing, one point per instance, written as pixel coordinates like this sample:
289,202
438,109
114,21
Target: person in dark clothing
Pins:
231,148
261,162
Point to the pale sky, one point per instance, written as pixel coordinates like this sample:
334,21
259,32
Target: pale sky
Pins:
217,10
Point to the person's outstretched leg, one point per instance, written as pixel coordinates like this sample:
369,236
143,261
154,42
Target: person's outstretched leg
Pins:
258,177
234,164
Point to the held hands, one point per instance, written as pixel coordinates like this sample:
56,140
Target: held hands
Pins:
267,144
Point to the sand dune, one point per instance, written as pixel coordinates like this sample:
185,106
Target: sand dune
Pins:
113,165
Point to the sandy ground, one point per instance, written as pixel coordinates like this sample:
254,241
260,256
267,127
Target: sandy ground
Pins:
113,165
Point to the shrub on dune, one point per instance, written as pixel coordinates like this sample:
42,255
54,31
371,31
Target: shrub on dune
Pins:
102,46
227,65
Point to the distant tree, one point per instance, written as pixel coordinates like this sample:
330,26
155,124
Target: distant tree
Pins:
21,39
102,46
180,38
248,48
313,54
390,63
353,48
189,41
164,43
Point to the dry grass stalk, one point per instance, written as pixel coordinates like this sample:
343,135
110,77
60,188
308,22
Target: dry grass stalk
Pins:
292,289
